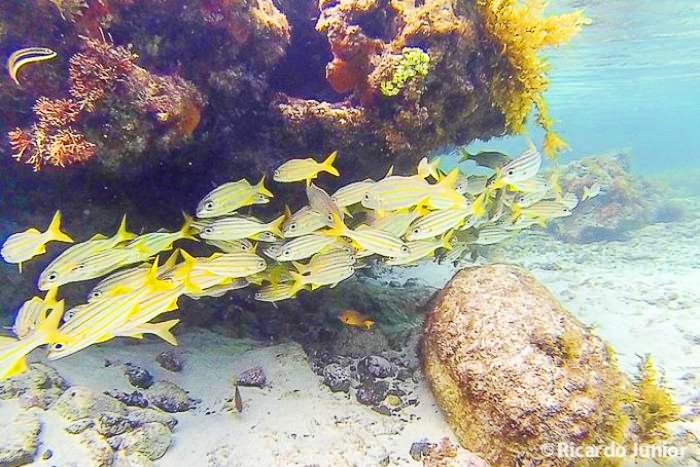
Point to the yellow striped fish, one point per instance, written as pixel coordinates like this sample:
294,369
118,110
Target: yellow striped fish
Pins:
231,197
237,228
13,352
329,276
376,241
491,234
321,202
162,330
421,249
520,169
352,193
32,313
23,246
153,243
542,211
394,193
220,289
304,247
233,246
276,293
265,237
303,222
297,170
22,57
437,223
61,270
325,260
231,265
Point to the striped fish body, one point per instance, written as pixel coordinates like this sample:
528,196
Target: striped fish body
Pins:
232,265
273,250
304,247
153,305
395,224
225,199
23,246
28,317
545,210
521,169
471,185
491,235
352,194
275,293
129,278
236,228
325,260
321,202
233,246
419,250
394,193
303,222
331,275
220,289
379,242
304,169
437,223
153,243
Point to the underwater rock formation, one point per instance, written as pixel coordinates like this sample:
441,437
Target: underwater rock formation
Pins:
626,201
370,78
19,440
506,362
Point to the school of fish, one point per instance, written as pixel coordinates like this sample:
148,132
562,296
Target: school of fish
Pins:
398,220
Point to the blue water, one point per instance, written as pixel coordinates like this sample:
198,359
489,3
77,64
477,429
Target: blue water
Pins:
630,81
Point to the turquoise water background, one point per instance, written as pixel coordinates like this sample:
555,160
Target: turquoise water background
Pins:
630,81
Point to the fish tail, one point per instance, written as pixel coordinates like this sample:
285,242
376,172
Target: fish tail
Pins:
164,330
172,259
517,211
445,240
299,283
54,231
260,188
50,300
450,180
48,328
186,229
328,164
479,205
276,226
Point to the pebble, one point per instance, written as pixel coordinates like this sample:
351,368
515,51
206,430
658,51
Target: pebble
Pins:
336,377
375,366
253,377
138,377
170,361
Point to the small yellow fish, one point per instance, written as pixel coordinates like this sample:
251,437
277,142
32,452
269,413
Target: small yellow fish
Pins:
471,185
153,243
356,319
32,313
308,169
591,192
394,193
325,260
397,223
542,211
328,276
221,289
238,227
304,247
23,246
276,293
491,234
437,223
233,246
429,169
421,249
232,196
570,200
60,270
231,265
376,241
523,168
13,353
25,56
352,193
303,222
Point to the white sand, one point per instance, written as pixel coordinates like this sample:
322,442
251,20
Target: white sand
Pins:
642,296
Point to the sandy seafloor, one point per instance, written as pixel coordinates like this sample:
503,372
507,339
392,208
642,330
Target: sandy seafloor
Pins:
642,296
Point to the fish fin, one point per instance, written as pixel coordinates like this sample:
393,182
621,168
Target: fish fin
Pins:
49,326
163,330
299,283
389,172
287,211
54,231
314,286
450,180
337,229
123,235
327,165
98,236
302,268
172,259
50,301
275,226
260,188
445,240
479,205
517,211
422,207
17,369
152,283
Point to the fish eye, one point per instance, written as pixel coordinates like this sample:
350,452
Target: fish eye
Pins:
352,268
293,226
244,247
262,264
511,172
96,294
209,230
58,347
52,277
209,206
404,249
366,197
416,231
277,172
286,253
330,218
334,199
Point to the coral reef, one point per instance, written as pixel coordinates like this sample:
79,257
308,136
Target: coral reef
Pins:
395,78
19,440
506,361
626,201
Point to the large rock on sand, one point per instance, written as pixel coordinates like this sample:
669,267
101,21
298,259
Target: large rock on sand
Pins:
513,371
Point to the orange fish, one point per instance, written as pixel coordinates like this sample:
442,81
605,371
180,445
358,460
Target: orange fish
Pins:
355,319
